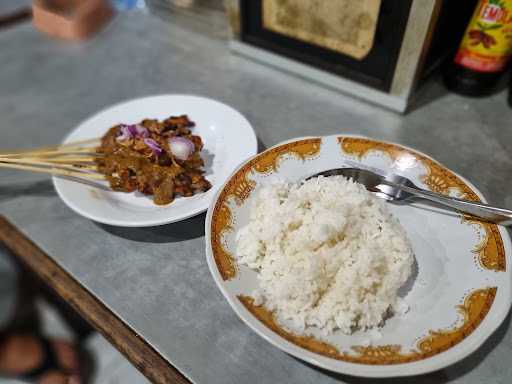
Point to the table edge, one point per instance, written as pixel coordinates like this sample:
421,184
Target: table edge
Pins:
15,17
137,350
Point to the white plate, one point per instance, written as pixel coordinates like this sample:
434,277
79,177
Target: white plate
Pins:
459,296
228,140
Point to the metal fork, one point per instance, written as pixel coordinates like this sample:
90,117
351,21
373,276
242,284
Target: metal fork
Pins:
393,187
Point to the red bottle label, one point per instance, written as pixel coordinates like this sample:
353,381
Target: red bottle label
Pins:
487,43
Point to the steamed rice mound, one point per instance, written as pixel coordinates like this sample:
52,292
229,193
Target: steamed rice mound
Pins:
327,252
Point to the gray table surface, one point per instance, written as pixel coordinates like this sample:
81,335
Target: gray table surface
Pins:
156,279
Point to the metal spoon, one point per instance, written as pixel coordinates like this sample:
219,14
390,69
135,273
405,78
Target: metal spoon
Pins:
397,188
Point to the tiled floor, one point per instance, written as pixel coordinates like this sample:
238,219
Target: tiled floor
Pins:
110,366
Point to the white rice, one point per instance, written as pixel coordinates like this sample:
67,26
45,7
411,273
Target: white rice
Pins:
328,254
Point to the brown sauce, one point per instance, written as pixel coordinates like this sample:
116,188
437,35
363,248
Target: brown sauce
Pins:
130,164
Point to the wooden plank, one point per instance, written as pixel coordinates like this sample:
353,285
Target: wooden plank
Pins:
119,334
16,17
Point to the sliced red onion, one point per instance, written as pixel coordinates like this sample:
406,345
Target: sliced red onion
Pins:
131,131
181,148
124,133
141,131
157,150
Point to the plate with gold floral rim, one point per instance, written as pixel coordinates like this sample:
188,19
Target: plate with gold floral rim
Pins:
461,290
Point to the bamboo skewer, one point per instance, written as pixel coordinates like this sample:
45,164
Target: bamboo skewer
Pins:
54,160
54,171
53,164
72,151
72,159
52,148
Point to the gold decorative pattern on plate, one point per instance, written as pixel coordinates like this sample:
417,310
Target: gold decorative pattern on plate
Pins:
306,342
240,187
474,309
490,252
382,354
268,161
221,222
344,26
